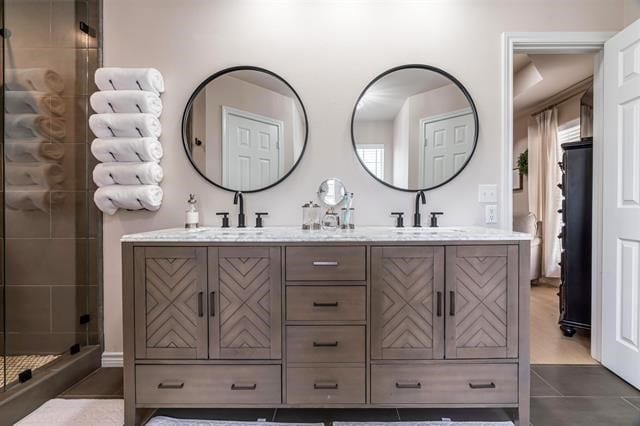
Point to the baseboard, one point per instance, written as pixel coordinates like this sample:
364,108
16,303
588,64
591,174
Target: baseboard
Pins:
112,359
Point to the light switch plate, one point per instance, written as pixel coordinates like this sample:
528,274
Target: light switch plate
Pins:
491,214
487,193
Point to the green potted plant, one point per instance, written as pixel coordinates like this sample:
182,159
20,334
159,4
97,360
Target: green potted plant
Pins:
523,163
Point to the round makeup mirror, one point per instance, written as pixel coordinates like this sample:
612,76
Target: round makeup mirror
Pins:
244,129
332,192
414,127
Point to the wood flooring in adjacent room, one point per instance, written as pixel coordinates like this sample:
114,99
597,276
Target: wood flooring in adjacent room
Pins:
548,344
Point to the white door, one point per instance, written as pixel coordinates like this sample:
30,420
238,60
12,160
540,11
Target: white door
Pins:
621,215
447,143
251,150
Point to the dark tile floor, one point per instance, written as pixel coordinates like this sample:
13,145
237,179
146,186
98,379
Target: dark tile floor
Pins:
560,395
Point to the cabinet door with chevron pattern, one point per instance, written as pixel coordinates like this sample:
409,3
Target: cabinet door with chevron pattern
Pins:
407,299
245,288
482,302
170,284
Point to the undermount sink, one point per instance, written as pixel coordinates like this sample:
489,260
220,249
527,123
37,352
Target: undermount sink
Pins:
422,231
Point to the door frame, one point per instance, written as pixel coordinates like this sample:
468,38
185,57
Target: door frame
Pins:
432,119
226,111
559,43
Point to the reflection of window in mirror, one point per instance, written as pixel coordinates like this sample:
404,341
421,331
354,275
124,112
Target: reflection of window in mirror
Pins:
373,157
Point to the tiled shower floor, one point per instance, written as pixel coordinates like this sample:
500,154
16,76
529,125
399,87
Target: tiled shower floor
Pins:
16,364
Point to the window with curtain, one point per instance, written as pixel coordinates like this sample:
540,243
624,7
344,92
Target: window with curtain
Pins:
569,133
373,158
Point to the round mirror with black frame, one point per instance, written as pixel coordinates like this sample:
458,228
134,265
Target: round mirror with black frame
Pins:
414,127
244,129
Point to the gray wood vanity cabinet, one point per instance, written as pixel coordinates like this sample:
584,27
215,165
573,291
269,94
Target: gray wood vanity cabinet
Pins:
326,324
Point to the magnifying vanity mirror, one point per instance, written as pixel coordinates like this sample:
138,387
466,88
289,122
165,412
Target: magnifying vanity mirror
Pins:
414,127
244,129
332,192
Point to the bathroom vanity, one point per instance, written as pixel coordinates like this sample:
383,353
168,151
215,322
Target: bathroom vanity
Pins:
280,317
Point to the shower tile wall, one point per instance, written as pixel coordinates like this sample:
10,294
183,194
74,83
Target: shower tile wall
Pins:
51,253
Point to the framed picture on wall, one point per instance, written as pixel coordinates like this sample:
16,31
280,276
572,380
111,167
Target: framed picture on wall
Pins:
517,180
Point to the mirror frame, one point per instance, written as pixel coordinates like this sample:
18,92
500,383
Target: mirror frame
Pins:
465,92
196,92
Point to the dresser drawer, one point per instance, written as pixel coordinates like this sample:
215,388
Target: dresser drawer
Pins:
325,344
326,303
339,385
326,264
208,384
444,384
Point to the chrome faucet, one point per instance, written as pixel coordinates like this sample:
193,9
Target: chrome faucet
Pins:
417,220
238,199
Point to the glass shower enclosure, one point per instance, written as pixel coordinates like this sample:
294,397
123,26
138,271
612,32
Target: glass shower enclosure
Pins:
50,236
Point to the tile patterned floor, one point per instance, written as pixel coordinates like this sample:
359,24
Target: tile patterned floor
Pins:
566,395
16,364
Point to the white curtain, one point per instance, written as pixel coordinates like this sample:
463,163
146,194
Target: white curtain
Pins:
545,198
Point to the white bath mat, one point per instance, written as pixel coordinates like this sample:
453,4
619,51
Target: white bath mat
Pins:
170,421
440,423
77,412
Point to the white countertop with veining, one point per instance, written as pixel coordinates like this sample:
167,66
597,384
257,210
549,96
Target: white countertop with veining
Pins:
290,234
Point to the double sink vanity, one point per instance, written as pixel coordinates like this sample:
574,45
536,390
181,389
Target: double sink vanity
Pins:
371,317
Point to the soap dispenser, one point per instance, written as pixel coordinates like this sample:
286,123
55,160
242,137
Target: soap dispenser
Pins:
192,216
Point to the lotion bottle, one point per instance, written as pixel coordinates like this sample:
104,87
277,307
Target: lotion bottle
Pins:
192,216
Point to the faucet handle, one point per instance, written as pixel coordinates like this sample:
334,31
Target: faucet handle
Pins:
434,218
259,218
225,218
399,219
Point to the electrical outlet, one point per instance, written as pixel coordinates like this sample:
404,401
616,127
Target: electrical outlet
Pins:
491,214
487,193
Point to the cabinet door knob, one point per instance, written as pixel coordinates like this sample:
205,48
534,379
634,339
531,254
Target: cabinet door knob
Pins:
439,304
212,303
452,303
200,304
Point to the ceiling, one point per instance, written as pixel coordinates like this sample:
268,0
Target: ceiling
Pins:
539,77
383,100
264,80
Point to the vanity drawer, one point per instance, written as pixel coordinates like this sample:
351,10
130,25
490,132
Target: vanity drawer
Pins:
444,384
326,264
325,344
330,385
326,303
208,384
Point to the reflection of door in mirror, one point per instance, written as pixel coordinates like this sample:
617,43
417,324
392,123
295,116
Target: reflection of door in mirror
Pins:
447,141
251,149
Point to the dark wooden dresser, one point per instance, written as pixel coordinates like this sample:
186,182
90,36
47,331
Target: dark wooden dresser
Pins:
575,290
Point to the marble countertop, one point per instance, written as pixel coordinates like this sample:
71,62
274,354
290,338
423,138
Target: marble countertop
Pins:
289,234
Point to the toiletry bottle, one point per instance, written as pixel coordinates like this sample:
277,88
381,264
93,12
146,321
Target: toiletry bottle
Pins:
192,215
347,213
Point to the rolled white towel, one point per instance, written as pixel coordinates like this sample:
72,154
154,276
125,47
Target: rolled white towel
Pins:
47,175
149,173
125,125
33,125
130,197
112,78
32,197
126,149
126,101
32,150
40,79
33,102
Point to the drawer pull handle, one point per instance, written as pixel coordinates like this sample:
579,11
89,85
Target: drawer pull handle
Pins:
171,385
325,304
452,303
416,385
322,263
212,303
252,386
325,344
325,386
439,304
200,305
482,385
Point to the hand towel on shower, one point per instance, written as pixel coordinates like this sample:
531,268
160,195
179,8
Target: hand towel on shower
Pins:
148,79
130,197
33,125
148,173
40,79
32,197
126,149
126,101
125,125
33,102
47,175
32,150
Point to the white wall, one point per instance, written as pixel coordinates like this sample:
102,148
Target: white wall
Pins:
328,50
